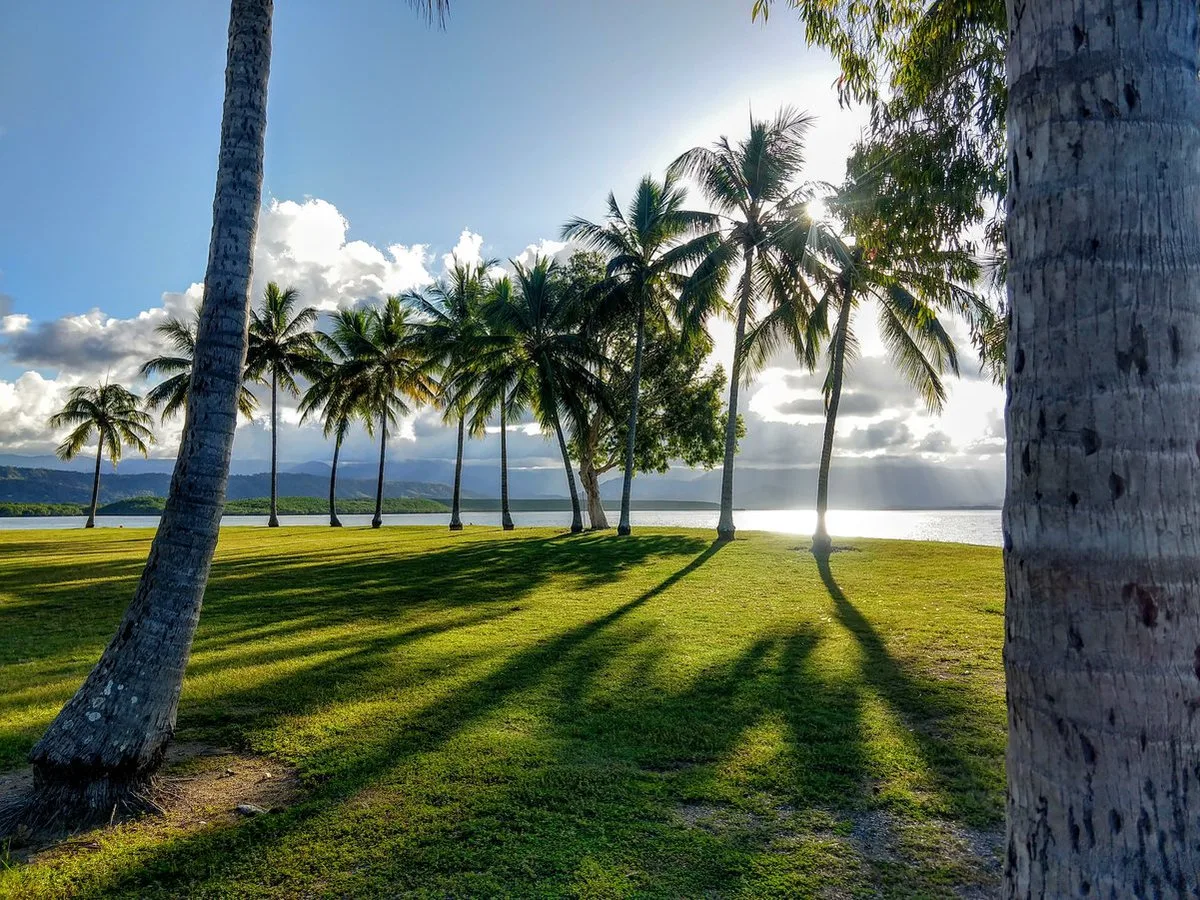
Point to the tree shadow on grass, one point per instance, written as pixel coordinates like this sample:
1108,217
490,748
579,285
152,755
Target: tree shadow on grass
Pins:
941,715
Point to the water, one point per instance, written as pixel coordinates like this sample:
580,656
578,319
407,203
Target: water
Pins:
955,525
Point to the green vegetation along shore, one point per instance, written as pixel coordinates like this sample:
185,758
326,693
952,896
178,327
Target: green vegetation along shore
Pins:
520,714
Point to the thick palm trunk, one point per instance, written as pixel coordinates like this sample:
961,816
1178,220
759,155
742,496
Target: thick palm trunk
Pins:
111,736
1102,549
623,527
576,515
91,519
377,521
456,504
725,529
334,521
273,521
821,543
506,521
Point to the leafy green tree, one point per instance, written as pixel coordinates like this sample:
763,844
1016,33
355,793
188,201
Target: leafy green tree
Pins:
102,748
450,317
114,415
754,186
282,346
335,395
172,393
388,368
652,250
553,365
681,416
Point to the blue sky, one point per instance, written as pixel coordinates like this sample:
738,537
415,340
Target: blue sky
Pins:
388,145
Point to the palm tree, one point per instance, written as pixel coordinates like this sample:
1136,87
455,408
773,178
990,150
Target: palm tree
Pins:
282,346
1102,617
752,185
116,417
124,742
652,249
172,393
335,395
387,366
451,318
552,365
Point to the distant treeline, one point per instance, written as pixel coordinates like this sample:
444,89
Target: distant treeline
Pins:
255,506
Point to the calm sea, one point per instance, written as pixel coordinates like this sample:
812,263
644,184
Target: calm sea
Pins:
955,525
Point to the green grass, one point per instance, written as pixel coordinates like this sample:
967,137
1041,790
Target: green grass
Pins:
533,714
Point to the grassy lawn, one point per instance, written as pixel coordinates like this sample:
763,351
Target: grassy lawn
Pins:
533,714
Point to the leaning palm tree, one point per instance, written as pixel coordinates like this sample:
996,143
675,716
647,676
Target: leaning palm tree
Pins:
753,185
335,395
172,393
450,312
652,249
101,748
389,369
554,365
282,346
115,416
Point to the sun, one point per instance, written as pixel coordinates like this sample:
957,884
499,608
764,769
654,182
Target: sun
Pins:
818,211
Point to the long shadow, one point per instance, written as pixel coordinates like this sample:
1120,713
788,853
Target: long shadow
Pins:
424,731
941,716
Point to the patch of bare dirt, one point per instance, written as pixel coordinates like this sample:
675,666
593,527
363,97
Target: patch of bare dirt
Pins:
200,786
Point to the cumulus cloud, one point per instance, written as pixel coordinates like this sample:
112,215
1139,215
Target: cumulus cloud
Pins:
852,403
25,405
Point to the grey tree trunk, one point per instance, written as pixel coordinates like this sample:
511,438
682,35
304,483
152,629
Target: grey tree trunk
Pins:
590,478
576,515
109,739
821,543
334,521
456,505
377,521
1102,549
273,521
91,519
506,521
725,529
623,526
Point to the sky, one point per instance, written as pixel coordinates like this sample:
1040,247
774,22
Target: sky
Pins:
389,146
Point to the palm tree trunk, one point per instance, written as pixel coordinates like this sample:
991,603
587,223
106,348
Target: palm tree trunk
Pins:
108,740
91,519
576,515
506,521
725,529
456,504
1102,552
624,527
821,543
334,521
378,520
273,521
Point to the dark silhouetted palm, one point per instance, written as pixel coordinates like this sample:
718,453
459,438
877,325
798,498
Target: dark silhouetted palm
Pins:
172,393
652,250
282,346
753,186
450,319
114,415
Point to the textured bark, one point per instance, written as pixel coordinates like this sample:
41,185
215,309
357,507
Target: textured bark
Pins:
334,521
110,737
506,521
1102,514
456,505
273,521
91,519
624,527
576,515
590,479
377,521
821,541
725,529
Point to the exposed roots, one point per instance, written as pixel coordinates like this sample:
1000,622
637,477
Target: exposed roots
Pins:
57,805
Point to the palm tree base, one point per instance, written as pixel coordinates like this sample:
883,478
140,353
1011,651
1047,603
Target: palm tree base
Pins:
822,544
507,524
456,526
70,800
335,522
90,523
725,535
624,530
576,527
272,522
376,522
